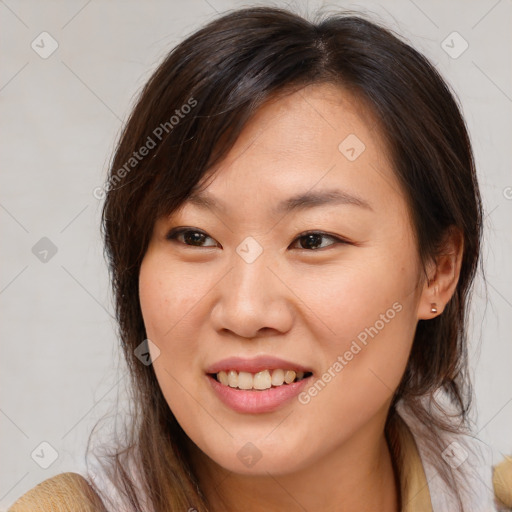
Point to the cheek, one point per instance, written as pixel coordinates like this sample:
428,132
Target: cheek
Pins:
365,290
368,319
167,298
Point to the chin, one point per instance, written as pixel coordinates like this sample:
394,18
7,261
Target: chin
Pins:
259,459
276,465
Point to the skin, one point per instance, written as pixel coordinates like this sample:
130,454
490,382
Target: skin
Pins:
304,303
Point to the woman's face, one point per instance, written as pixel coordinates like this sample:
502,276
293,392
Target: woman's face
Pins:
246,290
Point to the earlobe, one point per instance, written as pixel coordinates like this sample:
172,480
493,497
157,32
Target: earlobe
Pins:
443,276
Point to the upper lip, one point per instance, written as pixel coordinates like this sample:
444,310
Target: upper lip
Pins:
255,365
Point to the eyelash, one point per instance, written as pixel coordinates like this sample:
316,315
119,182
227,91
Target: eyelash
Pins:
174,233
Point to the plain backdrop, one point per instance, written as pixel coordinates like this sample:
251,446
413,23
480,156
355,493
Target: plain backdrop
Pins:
61,116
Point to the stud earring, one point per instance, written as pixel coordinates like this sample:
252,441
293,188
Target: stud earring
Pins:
433,307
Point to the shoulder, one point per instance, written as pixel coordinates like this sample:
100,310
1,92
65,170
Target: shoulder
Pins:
63,492
468,458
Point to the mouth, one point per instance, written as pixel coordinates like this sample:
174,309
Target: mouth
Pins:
259,381
257,385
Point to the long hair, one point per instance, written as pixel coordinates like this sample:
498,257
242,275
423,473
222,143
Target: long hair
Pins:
188,116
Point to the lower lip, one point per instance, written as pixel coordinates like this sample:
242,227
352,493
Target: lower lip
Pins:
253,401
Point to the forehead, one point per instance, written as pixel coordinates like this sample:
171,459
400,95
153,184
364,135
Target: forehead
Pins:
317,137
314,116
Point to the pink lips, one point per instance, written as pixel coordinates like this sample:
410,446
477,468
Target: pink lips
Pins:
255,401
255,365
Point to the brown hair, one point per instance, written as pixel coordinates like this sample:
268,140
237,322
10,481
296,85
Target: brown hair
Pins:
224,72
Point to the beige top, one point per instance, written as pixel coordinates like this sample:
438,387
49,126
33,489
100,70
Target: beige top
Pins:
415,495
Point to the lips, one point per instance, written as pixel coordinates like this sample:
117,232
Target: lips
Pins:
254,394
256,365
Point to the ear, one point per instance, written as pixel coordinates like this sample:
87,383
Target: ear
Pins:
442,276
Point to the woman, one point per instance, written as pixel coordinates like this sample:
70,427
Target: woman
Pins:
293,223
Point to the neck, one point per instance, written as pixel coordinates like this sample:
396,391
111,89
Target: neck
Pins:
357,476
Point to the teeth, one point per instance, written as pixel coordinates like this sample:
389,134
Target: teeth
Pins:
245,380
223,378
289,376
261,380
232,379
277,377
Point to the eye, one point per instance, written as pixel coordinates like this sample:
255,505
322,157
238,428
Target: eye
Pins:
189,236
313,240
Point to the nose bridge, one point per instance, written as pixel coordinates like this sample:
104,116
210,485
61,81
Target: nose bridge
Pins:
251,297
251,280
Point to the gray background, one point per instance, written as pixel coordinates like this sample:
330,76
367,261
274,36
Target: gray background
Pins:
61,116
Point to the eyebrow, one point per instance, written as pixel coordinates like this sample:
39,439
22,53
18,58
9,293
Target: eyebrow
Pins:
297,202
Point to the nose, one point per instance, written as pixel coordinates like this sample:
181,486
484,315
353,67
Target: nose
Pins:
252,300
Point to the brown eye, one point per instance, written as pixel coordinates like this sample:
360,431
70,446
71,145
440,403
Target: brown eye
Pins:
187,236
313,240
